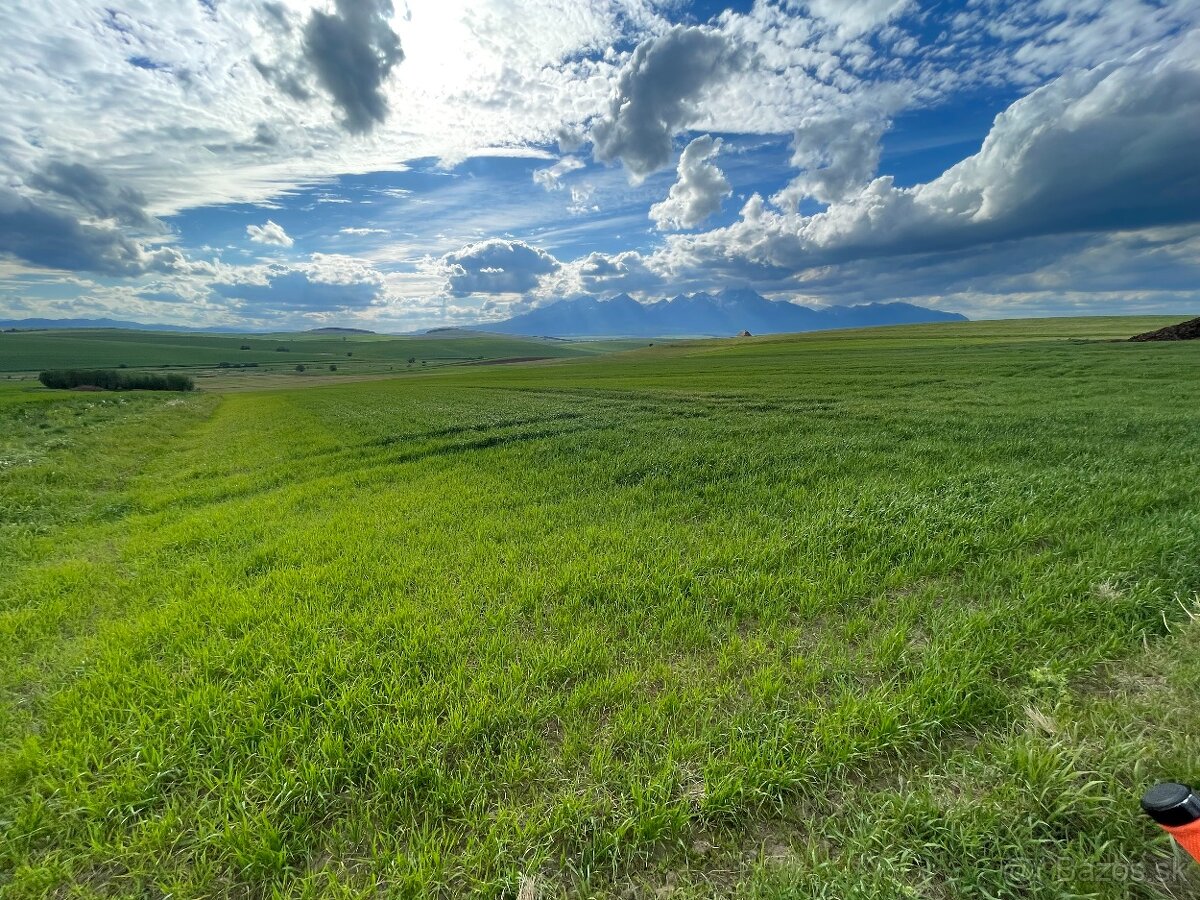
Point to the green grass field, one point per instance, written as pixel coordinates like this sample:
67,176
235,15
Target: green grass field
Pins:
27,352
903,613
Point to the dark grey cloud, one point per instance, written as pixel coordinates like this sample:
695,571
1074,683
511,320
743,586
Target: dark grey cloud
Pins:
1152,270
289,74
352,52
93,192
264,140
496,266
296,290
658,93
349,52
277,13
290,81
265,135
1130,262
38,234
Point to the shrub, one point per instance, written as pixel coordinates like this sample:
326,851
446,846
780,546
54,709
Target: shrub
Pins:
113,380
283,349
333,368
244,347
300,368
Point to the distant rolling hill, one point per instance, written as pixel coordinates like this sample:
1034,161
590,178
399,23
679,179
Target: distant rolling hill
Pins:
726,313
33,350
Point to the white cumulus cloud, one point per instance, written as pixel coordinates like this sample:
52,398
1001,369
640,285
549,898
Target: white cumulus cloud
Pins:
839,155
496,266
269,233
699,190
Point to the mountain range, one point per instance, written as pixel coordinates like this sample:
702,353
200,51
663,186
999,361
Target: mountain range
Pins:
728,312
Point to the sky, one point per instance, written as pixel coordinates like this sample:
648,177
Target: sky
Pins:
359,163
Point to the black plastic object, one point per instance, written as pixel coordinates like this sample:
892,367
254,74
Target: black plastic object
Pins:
1171,804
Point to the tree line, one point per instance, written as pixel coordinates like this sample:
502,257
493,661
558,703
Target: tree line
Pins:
113,380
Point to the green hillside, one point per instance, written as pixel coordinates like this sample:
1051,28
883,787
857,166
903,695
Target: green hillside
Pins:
25,351
891,613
